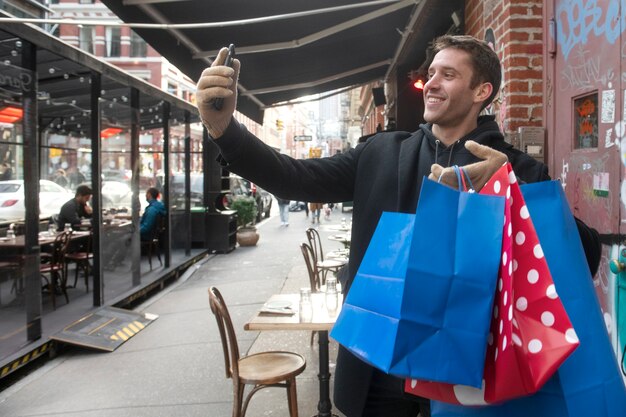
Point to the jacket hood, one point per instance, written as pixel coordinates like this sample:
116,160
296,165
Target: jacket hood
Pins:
486,133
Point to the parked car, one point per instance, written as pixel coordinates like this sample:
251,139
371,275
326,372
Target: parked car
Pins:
51,197
241,186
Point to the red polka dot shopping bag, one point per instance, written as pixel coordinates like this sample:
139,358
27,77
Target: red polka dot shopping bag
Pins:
531,334
420,306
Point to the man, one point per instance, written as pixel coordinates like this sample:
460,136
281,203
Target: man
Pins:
76,209
151,214
383,174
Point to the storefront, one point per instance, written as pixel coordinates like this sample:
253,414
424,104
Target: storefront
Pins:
68,119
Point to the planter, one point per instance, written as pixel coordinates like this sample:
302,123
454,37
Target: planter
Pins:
247,236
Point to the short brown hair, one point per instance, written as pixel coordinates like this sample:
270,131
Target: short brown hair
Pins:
483,58
83,190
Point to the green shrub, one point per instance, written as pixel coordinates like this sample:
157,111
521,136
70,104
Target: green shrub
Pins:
246,210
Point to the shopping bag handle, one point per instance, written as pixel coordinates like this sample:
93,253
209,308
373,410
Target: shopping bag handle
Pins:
461,177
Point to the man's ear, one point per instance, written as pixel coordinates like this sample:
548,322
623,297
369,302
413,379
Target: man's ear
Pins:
482,92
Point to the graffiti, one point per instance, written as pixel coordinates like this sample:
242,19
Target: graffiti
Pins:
586,122
564,172
581,76
578,19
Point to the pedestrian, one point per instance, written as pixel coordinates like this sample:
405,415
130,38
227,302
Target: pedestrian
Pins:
7,172
316,209
283,207
384,174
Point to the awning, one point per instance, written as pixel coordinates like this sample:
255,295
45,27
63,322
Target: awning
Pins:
300,48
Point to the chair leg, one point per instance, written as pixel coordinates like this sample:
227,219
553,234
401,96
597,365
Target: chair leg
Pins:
86,275
76,275
158,254
292,397
238,401
63,286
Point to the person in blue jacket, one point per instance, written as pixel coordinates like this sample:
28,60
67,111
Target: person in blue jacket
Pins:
150,215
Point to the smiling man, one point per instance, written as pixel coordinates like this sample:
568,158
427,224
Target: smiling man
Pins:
383,174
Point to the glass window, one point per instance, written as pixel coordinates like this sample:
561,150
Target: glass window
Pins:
138,47
113,41
85,39
586,121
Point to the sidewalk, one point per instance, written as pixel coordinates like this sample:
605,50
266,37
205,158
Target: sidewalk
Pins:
175,366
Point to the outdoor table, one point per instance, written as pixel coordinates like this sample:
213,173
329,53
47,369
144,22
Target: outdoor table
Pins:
344,238
322,322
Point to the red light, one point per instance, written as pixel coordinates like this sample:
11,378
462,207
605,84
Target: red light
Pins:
418,84
109,131
9,203
11,114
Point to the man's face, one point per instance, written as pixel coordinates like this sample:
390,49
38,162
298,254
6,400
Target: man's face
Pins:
448,98
84,199
148,197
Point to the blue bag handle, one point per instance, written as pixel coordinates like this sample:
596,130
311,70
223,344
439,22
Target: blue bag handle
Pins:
461,176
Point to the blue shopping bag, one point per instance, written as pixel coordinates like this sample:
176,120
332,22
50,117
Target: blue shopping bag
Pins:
421,301
588,383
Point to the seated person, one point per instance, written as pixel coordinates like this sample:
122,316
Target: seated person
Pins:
150,215
76,209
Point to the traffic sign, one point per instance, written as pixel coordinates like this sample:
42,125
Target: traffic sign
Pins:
303,138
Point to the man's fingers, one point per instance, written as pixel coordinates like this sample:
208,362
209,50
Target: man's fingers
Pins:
435,171
485,152
220,58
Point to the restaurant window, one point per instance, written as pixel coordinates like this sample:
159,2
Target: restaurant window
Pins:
138,47
172,88
85,39
586,121
113,42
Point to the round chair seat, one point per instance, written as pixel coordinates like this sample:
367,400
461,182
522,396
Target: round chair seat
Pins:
270,367
331,263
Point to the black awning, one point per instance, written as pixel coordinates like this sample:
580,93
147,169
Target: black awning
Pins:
339,48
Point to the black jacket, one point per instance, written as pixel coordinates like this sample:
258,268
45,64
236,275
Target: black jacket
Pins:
383,174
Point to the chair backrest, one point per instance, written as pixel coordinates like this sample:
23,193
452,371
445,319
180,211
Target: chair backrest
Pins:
59,247
315,242
227,333
159,227
309,260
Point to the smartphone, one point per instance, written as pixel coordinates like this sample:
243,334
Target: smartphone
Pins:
219,102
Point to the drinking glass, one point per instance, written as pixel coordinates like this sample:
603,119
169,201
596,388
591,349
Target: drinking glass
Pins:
332,297
306,305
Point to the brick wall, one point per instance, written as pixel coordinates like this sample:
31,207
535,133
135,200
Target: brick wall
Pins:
517,26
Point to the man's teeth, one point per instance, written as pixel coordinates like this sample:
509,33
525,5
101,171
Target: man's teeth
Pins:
434,100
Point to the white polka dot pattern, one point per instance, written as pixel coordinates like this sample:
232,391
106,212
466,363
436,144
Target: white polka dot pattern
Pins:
530,333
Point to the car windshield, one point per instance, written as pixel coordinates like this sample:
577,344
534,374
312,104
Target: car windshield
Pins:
9,188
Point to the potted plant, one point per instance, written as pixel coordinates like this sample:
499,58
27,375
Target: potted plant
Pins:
246,208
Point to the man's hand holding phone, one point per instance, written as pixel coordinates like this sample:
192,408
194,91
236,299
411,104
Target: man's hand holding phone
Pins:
219,81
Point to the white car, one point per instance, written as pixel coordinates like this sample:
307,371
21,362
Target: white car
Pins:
51,197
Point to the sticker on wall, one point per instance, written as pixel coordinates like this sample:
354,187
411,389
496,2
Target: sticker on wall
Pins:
601,184
608,106
607,138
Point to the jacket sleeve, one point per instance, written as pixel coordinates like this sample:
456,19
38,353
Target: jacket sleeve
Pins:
591,244
315,179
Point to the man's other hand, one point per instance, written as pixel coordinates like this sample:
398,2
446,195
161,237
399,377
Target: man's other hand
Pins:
217,81
479,172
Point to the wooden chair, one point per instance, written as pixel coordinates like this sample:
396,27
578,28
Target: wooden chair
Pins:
153,246
309,260
55,266
81,258
262,370
321,265
314,278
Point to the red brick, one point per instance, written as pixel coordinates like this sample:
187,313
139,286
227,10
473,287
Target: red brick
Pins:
526,74
517,61
520,23
524,99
